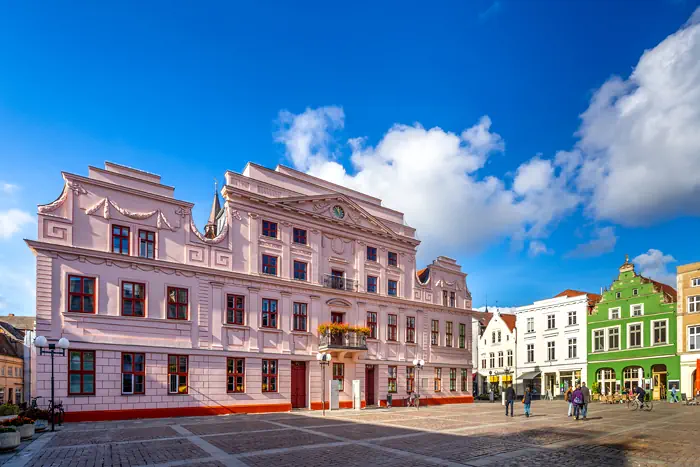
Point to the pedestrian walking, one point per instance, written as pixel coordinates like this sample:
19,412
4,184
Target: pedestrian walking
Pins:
491,394
527,401
586,399
567,398
674,397
577,400
510,400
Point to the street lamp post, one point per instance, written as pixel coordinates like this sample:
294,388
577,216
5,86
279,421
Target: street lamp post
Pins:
419,366
324,359
52,349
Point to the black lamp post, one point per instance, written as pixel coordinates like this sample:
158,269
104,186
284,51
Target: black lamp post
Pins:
52,349
324,359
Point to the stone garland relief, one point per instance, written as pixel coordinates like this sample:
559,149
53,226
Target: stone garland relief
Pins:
106,204
75,187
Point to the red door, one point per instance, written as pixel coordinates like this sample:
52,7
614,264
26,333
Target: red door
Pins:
369,385
298,385
337,317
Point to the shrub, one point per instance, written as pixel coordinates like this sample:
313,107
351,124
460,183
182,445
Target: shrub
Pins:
7,429
341,328
8,409
37,414
17,421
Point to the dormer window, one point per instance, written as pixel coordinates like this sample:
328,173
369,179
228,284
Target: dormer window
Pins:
618,294
269,229
635,292
371,253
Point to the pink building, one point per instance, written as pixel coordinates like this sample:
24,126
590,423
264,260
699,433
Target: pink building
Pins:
166,320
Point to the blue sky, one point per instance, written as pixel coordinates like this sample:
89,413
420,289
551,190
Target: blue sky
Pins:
536,142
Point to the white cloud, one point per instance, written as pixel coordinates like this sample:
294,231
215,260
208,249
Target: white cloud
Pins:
537,248
8,188
603,241
432,175
12,221
654,265
639,141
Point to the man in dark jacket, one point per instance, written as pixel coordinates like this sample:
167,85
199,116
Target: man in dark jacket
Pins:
510,400
586,399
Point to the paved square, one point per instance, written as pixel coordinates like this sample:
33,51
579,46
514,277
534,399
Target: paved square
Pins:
470,434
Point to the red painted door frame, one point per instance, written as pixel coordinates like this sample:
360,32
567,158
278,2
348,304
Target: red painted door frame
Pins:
298,395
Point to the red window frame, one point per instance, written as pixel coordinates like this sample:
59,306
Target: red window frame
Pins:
392,288
448,334
372,253
372,284
435,332
133,300
300,269
269,265
269,375
392,375
410,379
134,372
372,324
269,313
300,316
339,375
391,325
462,335
411,329
299,236
82,295
179,373
235,309
269,229
82,372
392,258
178,303
438,380
235,371
121,234
149,239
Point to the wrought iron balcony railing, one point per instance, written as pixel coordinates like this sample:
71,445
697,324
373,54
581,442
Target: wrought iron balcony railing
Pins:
347,341
339,283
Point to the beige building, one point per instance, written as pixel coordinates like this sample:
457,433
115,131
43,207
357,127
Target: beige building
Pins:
688,281
11,371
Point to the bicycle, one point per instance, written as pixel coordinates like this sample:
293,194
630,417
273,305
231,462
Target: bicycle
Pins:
413,400
34,402
635,404
58,411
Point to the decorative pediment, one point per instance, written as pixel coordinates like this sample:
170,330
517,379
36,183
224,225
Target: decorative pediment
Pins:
338,302
104,206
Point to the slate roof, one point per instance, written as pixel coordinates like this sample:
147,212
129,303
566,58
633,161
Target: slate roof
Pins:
7,348
23,323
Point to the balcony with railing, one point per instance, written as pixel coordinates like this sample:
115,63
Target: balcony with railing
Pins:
351,340
339,283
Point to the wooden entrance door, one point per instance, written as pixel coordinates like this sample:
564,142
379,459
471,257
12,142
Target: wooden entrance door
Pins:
298,385
369,385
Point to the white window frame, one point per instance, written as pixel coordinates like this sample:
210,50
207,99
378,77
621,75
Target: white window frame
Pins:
499,336
641,328
500,359
697,334
695,282
652,331
575,315
574,346
593,337
635,292
509,358
610,312
618,295
553,318
553,348
694,302
607,338
530,348
634,305
531,324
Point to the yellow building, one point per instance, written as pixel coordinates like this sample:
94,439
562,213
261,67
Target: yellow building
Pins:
688,279
11,371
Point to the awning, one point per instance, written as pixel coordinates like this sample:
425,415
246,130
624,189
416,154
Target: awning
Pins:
529,375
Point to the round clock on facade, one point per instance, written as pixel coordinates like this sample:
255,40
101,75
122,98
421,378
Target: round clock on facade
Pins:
338,212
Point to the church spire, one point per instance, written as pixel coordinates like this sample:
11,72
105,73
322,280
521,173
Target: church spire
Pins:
210,230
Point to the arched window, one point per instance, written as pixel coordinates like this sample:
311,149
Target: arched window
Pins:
606,380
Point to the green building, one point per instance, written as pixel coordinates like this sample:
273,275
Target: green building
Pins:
632,336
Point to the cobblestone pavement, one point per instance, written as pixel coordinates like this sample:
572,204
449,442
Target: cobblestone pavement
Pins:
470,434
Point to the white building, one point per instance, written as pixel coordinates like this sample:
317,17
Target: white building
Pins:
552,342
496,350
479,322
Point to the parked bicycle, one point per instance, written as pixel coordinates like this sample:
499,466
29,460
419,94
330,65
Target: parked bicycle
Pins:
413,400
57,410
